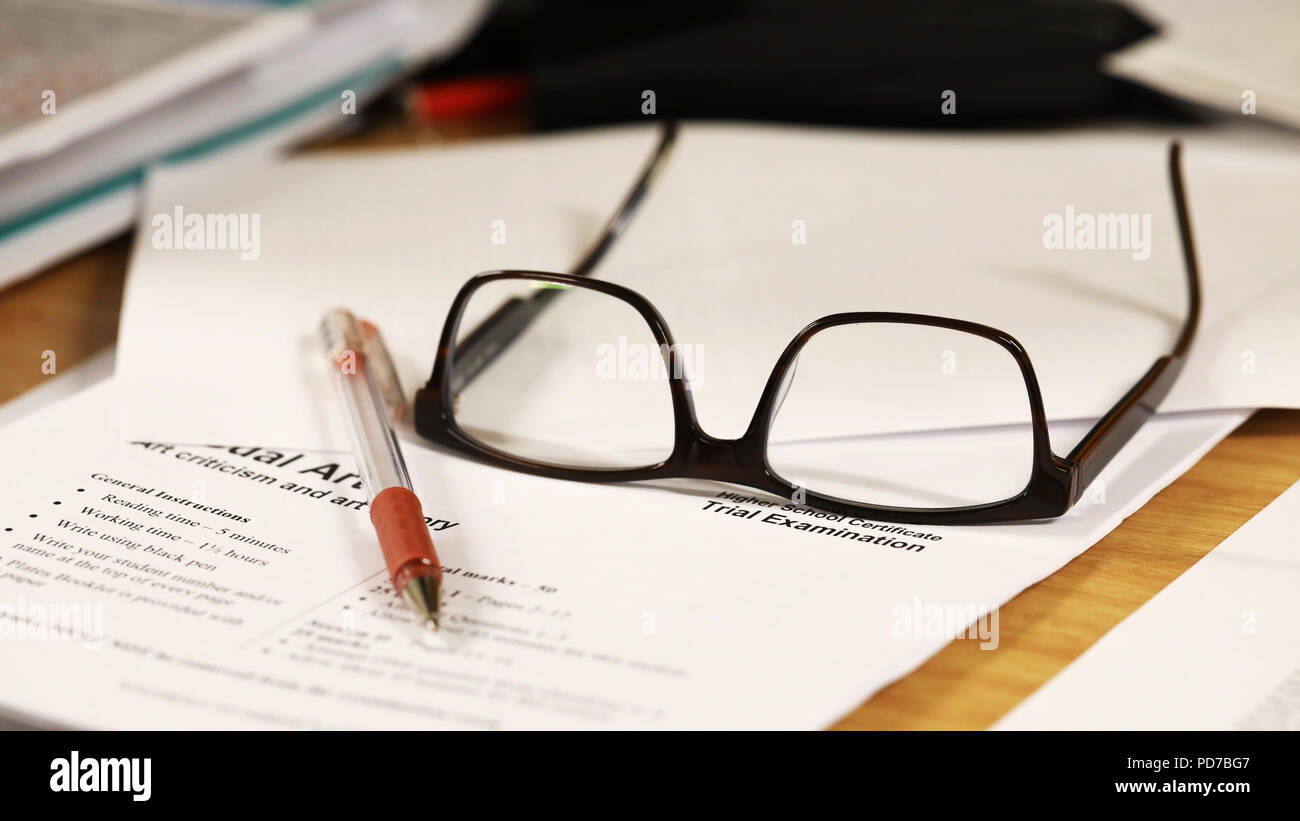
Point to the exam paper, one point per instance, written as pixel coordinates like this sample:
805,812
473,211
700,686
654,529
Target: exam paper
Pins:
749,234
1215,650
152,585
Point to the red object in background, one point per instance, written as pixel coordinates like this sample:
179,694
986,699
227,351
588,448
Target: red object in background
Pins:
468,98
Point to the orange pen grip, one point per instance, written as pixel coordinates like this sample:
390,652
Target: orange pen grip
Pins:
403,536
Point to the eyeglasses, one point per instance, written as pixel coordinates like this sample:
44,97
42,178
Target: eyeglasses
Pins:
570,377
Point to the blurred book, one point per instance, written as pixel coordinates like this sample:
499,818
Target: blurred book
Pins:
96,90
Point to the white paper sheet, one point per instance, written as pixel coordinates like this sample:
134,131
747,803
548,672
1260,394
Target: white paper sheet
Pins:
1215,650
568,604
945,225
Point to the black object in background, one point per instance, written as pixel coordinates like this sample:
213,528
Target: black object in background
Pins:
828,61
863,62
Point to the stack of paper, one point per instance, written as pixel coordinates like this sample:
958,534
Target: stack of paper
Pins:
239,585
95,90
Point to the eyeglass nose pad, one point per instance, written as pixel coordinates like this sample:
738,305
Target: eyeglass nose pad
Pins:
786,382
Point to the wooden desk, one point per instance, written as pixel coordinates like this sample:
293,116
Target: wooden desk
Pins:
72,309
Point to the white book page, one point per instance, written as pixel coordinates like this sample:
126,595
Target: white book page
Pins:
1239,60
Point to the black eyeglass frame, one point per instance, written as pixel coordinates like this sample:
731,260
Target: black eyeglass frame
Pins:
1055,484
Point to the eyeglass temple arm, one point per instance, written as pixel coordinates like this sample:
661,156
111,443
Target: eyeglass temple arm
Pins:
495,333
1121,422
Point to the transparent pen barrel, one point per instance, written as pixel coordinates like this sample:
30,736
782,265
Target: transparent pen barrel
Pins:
380,461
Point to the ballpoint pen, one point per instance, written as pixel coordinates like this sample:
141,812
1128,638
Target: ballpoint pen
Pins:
365,381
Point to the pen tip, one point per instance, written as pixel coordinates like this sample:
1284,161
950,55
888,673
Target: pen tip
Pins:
424,596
